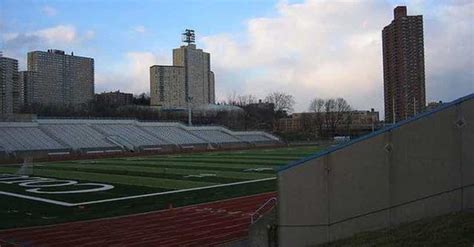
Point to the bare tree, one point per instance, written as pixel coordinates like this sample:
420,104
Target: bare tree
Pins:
232,98
344,113
283,102
317,107
335,109
246,99
330,114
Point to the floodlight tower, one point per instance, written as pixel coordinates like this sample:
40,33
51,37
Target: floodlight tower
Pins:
189,99
188,36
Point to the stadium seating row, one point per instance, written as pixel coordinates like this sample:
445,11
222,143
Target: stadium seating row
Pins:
56,135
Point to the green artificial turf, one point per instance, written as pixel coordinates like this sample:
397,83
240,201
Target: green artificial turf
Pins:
132,176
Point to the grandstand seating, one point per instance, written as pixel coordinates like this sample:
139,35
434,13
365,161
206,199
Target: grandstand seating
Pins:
131,134
214,136
174,134
91,136
79,136
27,139
254,138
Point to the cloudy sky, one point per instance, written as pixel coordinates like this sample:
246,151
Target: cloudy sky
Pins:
319,48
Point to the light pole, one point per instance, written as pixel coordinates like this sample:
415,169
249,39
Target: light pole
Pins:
189,110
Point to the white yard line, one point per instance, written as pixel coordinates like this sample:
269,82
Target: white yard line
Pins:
172,192
66,204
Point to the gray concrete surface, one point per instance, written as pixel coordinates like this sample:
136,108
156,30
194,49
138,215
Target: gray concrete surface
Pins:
412,171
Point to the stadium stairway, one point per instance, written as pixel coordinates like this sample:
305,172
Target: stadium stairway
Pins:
207,224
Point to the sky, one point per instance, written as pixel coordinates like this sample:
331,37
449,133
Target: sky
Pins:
309,49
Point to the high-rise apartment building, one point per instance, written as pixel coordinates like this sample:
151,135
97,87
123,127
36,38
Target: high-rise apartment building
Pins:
403,66
27,81
57,78
189,80
10,101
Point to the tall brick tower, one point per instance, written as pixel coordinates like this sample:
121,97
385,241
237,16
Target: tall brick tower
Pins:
403,66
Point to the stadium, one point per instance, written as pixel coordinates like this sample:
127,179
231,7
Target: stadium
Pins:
57,171
123,182
330,135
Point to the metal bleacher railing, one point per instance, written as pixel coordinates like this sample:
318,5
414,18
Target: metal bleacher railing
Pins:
267,206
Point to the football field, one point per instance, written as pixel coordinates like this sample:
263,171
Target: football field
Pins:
53,192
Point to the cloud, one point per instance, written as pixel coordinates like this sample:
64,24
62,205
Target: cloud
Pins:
449,51
49,11
89,34
61,34
16,45
333,49
132,75
139,29
58,34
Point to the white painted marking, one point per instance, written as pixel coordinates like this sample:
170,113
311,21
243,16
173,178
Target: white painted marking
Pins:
101,187
173,191
39,182
49,183
200,175
259,169
66,204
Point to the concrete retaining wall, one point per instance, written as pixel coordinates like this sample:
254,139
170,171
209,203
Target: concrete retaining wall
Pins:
419,168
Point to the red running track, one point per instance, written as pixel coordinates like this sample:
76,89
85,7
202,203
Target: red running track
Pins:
206,224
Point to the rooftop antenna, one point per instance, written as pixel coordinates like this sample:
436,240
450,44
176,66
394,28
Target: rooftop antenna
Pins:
188,36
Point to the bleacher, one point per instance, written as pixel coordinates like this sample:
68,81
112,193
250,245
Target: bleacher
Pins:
79,136
214,136
27,138
132,134
95,136
255,138
174,134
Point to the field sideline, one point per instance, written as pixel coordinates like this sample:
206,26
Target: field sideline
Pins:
136,184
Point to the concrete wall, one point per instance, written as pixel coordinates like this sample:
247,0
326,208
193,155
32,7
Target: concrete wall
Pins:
261,233
419,168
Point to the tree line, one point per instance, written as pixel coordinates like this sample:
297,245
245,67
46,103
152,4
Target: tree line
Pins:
327,114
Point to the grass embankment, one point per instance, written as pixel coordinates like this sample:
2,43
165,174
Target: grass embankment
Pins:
447,230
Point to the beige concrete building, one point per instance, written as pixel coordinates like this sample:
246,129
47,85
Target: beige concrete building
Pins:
9,86
189,78
60,79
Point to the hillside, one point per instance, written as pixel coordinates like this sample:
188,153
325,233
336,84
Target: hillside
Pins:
447,230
